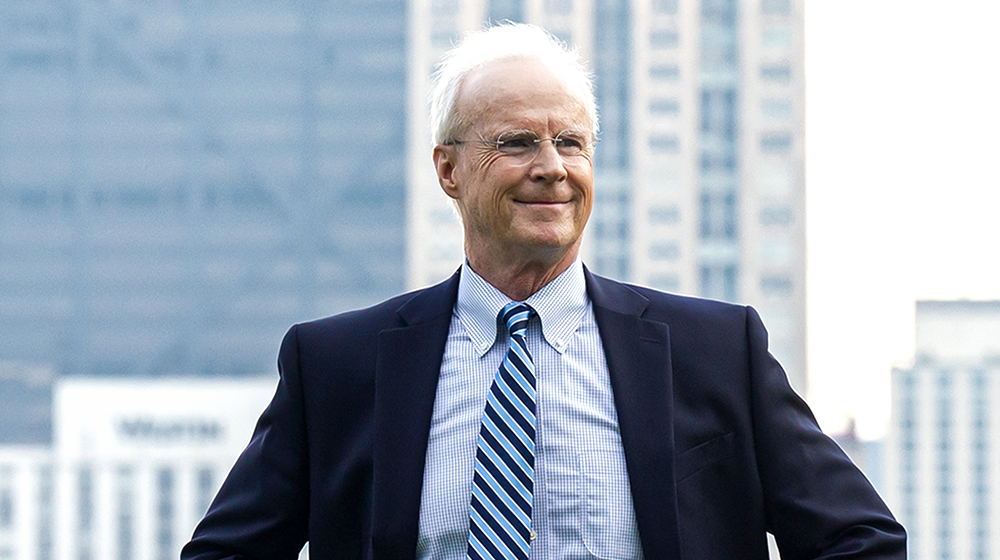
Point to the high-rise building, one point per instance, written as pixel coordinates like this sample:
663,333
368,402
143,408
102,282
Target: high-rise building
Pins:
699,171
943,479
181,181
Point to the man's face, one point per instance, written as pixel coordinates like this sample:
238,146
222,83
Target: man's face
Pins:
517,207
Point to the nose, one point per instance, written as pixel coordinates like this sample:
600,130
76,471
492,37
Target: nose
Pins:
547,164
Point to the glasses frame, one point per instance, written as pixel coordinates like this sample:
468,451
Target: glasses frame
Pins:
537,141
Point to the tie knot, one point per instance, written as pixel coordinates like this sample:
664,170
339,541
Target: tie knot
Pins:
515,315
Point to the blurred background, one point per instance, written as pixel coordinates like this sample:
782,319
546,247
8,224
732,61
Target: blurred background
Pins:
182,181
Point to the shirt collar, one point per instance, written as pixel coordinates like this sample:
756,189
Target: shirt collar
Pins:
560,304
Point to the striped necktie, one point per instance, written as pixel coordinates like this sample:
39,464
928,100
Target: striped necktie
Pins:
500,515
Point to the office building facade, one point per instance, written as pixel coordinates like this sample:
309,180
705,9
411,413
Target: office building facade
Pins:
182,181
943,476
699,181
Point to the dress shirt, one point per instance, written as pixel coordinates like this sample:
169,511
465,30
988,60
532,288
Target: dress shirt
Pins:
582,502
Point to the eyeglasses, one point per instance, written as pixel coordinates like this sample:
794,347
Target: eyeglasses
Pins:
524,145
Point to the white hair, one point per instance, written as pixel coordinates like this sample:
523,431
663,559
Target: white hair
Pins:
507,40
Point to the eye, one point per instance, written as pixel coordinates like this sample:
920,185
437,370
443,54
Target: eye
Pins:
516,140
571,141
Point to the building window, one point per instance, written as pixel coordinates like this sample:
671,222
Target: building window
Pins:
718,215
719,282
719,11
164,514
559,6
945,466
775,143
665,6
664,215
665,143
719,114
908,448
776,286
776,7
776,73
6,498
776,215
664,107
665,73
126,516
718,162
44,514
980,460
85,512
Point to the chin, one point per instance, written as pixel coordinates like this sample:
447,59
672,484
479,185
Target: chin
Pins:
549,241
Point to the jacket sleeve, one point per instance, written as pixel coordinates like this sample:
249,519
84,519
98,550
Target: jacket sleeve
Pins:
817,503
261,511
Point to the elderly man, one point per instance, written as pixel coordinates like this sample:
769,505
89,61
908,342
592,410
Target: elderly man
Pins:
526,408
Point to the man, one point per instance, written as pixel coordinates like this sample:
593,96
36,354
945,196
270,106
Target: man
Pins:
597,420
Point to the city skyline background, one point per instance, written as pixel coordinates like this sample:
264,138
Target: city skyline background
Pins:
181,182
900,112
902,186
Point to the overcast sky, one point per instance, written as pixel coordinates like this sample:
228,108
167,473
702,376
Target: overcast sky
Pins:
903,184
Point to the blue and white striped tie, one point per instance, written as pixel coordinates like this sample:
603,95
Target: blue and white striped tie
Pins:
502,485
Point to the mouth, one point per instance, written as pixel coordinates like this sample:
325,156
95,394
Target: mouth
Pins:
542,202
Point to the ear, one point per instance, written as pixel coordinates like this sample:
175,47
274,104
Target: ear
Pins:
445,164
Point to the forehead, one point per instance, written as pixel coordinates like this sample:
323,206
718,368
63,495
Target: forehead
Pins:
519,93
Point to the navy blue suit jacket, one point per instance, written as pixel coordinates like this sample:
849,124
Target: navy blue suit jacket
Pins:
718,447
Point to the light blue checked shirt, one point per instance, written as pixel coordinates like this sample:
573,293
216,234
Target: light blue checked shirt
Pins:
582,502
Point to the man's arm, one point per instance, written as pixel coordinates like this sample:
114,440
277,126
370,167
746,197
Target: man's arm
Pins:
262,509
817,503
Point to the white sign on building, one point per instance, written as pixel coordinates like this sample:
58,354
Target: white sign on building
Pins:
133,467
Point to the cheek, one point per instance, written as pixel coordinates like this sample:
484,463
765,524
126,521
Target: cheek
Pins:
484,203
584,182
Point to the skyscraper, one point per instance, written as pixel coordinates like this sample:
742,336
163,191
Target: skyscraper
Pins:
943,479
699,173
181,181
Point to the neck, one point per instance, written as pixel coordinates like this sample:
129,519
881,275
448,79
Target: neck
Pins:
520,279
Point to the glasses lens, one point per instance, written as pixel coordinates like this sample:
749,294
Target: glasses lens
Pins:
571,142
517,142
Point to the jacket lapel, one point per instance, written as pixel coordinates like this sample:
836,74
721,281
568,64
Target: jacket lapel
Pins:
409,362
638,355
